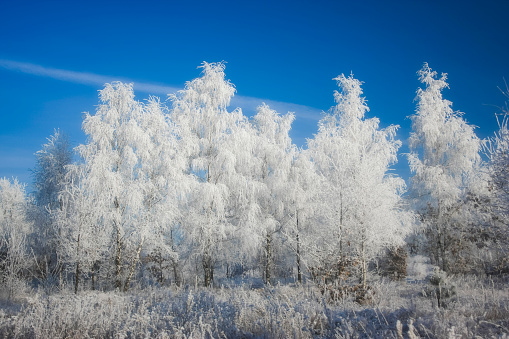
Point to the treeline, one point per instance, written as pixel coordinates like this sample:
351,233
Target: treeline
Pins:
194,193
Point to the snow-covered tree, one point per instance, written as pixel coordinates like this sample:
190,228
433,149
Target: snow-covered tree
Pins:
165,182
303,190
49,177
444,159
208,132
15,228
496,150
273,157
361,202
50,170
81,239
129,172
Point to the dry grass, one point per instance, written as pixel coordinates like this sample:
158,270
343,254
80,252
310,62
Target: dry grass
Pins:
481,309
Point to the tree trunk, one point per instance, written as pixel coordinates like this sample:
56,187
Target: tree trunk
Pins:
118,255
60,277
341,235
77,278
175,274
443,248
363,266
118,261
133,266
77,274
160,278
299,273
174,262
208,270
268,266
93,277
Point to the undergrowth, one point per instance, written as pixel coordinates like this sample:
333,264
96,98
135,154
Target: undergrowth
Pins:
480,309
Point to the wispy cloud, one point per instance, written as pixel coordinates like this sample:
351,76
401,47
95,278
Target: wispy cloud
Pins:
250,104
247,103
83,78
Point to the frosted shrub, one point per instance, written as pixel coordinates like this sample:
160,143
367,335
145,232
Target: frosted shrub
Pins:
440,288
394,263
419,267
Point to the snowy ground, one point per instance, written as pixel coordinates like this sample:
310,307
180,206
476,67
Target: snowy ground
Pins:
480,309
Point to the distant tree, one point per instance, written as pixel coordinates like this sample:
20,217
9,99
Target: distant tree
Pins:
50,170
15,227
362,209
497,151
49,177
496,200
444,159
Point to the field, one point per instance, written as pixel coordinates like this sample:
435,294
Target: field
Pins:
397,309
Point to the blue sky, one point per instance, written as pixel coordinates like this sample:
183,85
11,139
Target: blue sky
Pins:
55,56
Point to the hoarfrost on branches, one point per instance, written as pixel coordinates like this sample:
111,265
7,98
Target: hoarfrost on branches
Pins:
15,227
130,171
209,133
362,204
445,161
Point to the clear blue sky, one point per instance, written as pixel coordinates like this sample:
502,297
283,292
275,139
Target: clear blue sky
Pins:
55,56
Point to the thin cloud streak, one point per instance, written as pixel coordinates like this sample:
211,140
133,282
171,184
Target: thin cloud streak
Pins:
245,102
83,78
250,104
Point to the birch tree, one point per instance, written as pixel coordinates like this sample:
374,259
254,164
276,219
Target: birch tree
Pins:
496,150
15,227
165,183
82,238
362,205
208,132
129,173
49,177
303,193
273,157
50,170
444,159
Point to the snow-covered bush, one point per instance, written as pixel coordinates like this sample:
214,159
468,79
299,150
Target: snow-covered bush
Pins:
419,267
440,288
394,263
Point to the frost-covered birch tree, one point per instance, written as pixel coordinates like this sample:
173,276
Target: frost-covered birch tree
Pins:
165,184
444,159
50,170
15,227
303,193
49,177
362,206
273,158
496,150
130,168
81,238
208,132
